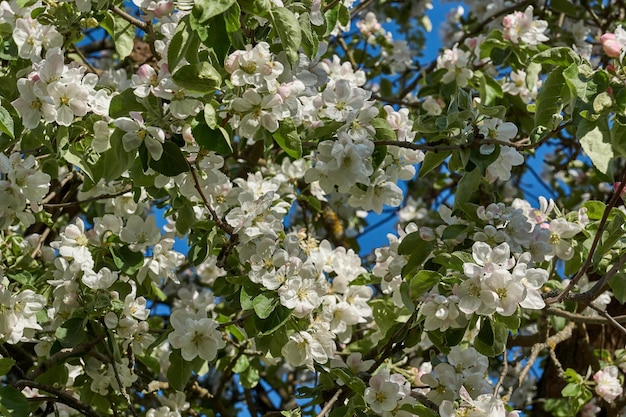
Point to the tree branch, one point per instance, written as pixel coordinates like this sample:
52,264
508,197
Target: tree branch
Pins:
596,240
62,396
330,403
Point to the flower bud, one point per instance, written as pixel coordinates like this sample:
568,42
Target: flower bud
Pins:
610,45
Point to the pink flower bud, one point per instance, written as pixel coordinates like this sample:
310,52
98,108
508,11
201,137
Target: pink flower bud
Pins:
164,8
611,45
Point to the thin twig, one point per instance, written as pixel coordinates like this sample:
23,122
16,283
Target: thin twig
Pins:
61,355
220,223
554,340
140,24
62,396
612,320
330,403
579,318
588,296
503,372
87,200
583,270
85,60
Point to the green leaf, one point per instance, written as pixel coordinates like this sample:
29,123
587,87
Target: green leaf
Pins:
72,332
55,375
5,365
122,32
6,123
431,161
124,103
172,161
274,321
571,390
467,186
185,217
618,137
241,365
264,304
288,29
562,56
179,371
288,139
210,116
423,281
201,77
115,161
511,322
126,260
14,402
217,140
245,299
490,89
250,378
491,339
595,141
453,231
383,314
74,158
618,286
180,43
310,41
595,209
203,10
550,99
383,129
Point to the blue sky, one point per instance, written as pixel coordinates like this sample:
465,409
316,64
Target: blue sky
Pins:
377,237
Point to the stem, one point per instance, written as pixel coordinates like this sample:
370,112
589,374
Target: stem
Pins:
62,396
330,403
583,270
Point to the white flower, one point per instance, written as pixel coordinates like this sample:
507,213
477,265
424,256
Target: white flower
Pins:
195,336
32,104
520,26
441,312
257,111
70,100
137,133
101,280
140,233
608,385
74,245
561,229
317,344
501,167
254,66
455,62
302,294
381,395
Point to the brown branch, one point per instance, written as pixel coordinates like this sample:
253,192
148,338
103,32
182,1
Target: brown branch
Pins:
424,400
330,403
62,355
62,396
220,223
579,318
503,372
85,60
611,320
521,145
87,200
139,24
552,341
583,270
588,296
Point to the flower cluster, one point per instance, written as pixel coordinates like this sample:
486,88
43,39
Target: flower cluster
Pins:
59,93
